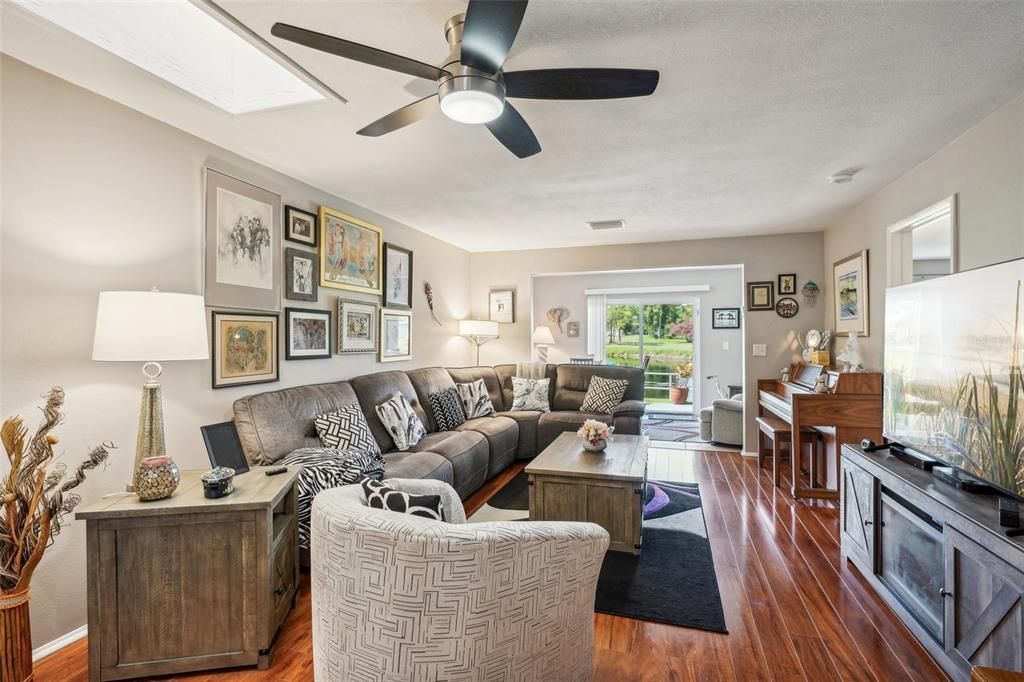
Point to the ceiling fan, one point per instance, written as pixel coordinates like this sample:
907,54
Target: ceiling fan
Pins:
471,86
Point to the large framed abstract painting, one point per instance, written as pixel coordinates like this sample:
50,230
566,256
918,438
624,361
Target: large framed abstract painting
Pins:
244,349
350,252
307,334
357,326
243,244
850,293
395,335
397,277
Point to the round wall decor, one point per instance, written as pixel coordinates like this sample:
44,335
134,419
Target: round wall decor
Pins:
787,307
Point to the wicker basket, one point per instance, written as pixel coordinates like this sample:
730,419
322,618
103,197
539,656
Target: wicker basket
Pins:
15,638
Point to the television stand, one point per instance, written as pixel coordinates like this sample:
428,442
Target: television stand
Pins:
963,481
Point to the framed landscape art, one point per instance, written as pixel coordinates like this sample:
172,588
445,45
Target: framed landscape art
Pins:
397,277
300,226
350,252
244,349
307,334
243,244
725,318
300,275
850,294
357,326
395,335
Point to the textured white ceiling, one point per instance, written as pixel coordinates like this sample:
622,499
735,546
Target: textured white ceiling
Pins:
758,104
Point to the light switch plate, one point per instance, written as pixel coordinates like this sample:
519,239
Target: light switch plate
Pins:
725,345
760,350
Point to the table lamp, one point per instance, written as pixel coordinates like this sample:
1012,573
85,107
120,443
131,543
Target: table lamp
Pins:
149,327
542,338
479,332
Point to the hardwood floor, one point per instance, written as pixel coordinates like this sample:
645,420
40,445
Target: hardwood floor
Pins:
794,610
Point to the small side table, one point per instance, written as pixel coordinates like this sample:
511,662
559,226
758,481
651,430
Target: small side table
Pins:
189,583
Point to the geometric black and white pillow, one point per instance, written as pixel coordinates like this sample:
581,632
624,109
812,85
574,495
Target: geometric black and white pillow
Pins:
447,409
401,421
603,395
381,496
346,429
476,402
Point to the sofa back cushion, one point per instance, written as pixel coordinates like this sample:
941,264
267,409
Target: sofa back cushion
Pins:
467,375
426,381
572,381
375,389
272,424
505,374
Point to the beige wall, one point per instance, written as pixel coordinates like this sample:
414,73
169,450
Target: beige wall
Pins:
984,167
763,258
97,196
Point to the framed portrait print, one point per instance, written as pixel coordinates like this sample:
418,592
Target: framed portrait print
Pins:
395,335
397,277
307,334
502,306
243,244
850,291
300,275
350,252
787,284
725,318
300,226
357,326
760,295
244,349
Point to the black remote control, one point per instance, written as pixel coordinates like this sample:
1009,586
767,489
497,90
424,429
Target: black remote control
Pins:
276,470
1015,532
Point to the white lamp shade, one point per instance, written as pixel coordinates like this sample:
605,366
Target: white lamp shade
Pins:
542,337
150,326
478,328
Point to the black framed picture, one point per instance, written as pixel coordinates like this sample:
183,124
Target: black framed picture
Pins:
760,295
307,334
301,274
244,349
787,284
300,226
397,276
224,447
725,318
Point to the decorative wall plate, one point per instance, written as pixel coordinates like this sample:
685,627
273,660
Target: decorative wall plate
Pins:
787,307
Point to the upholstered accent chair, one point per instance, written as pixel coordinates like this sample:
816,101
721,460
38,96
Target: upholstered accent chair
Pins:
722,421
400,597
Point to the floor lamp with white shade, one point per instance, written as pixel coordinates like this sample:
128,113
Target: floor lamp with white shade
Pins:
479,332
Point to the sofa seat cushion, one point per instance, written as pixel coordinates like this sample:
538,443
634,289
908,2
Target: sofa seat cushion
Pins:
502,434
468,453
550,425
418,465
527,421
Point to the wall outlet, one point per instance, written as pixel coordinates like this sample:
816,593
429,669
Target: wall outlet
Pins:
725,345
760,350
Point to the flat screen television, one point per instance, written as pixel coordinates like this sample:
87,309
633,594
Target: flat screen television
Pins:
954,347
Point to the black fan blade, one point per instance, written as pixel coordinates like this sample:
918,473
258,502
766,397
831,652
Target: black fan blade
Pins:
355,51
488,32
512,131
399,118
580,83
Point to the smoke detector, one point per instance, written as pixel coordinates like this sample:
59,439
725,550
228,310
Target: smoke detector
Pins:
842,176
606,224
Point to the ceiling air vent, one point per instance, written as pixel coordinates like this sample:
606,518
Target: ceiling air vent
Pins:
606,224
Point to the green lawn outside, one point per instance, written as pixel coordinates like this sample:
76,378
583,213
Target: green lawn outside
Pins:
665,355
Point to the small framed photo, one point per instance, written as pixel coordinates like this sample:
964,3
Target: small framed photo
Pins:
357,326
395,335
307,334
725,318
300,226
760,295
502,305
787,284
572,329
244,349
397,276
301,275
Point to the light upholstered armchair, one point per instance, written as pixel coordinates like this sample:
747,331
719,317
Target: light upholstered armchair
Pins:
399,597
722,421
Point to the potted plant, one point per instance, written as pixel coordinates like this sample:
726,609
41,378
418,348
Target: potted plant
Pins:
34,499
681,390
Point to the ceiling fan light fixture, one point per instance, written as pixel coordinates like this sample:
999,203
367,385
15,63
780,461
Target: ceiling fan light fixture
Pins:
472,106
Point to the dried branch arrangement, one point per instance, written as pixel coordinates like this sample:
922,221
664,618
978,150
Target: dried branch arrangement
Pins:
35,496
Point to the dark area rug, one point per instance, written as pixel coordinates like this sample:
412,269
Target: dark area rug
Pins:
515,494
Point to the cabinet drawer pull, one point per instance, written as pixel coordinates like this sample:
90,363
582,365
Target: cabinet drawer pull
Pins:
869,523
943,592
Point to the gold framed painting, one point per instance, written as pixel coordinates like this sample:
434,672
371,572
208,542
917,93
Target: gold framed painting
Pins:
351,252
244,349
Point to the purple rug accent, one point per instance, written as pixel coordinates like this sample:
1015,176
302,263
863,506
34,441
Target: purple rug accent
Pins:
658,502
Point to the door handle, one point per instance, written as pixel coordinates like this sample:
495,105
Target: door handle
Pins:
869,523
943,592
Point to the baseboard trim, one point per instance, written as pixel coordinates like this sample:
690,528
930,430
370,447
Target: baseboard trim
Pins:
749,454
59,643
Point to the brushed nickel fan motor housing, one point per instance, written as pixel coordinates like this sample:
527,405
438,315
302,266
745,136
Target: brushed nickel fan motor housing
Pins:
463,78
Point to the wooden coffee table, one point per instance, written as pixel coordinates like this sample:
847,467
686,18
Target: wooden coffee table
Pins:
567,483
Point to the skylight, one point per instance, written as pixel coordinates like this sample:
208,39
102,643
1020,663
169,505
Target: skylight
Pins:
186,46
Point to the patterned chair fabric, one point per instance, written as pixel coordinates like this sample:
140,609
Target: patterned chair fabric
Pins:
397,597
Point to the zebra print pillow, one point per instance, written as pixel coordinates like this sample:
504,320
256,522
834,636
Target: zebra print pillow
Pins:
325,468
401,421
530,394
476,402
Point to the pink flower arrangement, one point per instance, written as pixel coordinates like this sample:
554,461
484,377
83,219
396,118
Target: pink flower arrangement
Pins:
594,431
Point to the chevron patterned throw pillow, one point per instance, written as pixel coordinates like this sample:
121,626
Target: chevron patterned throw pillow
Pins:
346,429
603,395
447,409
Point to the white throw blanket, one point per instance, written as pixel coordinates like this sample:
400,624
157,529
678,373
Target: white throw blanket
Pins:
531,370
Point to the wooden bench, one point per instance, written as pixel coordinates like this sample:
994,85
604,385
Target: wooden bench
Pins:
778,432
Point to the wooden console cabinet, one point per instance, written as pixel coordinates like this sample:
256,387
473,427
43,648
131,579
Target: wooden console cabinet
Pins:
189,583
980,582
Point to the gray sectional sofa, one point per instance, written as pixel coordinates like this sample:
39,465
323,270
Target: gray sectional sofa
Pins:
273,424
